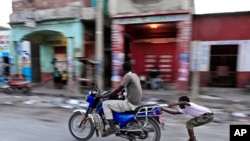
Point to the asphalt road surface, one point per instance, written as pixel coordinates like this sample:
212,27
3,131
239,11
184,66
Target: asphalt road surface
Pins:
34,123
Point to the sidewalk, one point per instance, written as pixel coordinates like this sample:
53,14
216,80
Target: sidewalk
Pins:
217,96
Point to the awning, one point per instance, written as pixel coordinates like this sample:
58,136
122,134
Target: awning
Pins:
85,60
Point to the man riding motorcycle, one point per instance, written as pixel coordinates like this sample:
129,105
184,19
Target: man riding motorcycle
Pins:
132,85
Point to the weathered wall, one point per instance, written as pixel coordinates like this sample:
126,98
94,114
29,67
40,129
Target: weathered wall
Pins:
220,29
40,10
117,7
20,5
214,27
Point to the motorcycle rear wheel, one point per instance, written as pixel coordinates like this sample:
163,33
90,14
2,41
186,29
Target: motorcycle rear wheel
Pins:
151,132
83,133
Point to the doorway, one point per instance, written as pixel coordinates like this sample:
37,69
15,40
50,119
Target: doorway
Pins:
35,62
61,58
223,65
6,69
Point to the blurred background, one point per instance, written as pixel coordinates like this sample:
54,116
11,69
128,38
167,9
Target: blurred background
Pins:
177,47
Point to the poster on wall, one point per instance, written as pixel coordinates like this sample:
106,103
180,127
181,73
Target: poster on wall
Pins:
4,53
4,44
195,56
26,54
200,56
26,60
117,51
244,57
204,57
61,63
184,65
184,37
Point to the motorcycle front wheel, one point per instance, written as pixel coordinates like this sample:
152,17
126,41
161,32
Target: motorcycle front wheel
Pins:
81,132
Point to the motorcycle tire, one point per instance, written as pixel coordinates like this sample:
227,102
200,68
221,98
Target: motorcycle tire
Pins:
73,129
151,127
27,91
8,90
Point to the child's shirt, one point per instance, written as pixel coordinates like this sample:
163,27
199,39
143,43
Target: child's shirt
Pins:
64,76
194,110
56,74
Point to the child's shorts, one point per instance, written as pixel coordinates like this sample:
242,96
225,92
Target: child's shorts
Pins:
197,121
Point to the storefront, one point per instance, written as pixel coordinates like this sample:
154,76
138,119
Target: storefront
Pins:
222,49
50,45
160,39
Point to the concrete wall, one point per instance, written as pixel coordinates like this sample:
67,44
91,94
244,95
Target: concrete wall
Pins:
46,54
20,5
71,30
40,10
228,26
231,28
117,7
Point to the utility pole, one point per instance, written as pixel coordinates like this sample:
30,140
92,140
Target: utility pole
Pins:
195,75
99,44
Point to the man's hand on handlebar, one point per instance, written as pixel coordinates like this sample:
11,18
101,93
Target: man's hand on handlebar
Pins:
104,94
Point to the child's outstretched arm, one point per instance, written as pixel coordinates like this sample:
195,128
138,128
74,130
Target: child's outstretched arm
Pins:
178,103
171,112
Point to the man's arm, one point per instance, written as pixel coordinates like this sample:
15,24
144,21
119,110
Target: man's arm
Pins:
114,92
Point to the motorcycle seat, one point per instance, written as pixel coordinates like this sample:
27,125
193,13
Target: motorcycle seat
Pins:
139,107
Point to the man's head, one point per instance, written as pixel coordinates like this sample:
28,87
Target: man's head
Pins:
183,99
126,67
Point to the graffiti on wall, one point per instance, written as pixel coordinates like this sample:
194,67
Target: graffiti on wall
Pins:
4,44
184,67
26,60
184,37
117,50
26,54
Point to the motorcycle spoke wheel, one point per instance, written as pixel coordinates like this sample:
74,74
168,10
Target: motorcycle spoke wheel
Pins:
151,132
83,132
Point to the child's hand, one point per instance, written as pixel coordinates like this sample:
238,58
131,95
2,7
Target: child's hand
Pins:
170,104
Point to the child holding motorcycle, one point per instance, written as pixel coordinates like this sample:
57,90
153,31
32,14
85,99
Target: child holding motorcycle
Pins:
202,115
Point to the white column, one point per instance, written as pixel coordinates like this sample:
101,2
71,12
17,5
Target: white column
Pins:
195,84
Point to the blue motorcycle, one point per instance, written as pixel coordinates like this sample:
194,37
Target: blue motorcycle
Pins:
140,124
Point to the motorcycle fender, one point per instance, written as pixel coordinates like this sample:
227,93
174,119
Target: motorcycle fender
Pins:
82,111
79,110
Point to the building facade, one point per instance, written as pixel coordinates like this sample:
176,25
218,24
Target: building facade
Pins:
221,43
58,32
152,33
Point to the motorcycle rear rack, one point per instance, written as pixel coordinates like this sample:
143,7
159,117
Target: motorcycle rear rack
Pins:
143,111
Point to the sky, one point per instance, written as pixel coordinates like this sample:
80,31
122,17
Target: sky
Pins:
201,7
219,6
5,11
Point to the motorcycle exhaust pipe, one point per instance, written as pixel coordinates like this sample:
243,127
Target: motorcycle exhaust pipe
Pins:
131,130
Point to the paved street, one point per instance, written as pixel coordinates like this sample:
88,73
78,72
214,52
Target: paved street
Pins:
38,123
45,118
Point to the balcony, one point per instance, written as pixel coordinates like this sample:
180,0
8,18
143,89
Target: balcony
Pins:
86,13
